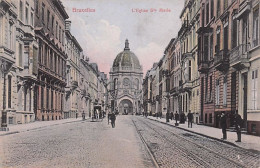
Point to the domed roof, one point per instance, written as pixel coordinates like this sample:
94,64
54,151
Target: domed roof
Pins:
126,58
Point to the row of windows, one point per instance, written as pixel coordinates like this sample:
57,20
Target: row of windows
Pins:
50,99
50,21
51,60
26,13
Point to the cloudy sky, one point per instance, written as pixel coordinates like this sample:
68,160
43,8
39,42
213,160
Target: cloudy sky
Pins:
102,33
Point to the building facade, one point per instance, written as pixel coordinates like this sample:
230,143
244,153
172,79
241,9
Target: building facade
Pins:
73,53
126,82
50,19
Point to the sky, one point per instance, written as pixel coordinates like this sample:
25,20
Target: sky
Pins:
102,32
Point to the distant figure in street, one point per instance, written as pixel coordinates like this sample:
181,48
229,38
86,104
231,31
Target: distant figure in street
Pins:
223,123
176,117
238,123
108,117
171,115
190,118
83,116
167,116
113,119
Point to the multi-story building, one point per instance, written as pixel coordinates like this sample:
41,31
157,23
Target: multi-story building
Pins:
244,57
206,44
8,22
73,53
26,63
49,20
189,86
175,75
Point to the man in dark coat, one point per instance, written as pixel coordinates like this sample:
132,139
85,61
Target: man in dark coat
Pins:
190,118
167,116
176,117
223,123
113,119
238,123
171,115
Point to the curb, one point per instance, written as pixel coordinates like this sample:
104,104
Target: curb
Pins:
55,124
227,142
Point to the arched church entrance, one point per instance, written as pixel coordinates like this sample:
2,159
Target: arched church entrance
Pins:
126,107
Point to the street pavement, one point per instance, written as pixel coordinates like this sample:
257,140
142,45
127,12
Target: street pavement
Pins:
76,144
250,142
135,142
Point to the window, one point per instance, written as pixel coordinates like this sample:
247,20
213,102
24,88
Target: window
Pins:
26,16
212,9
9,91
48,18
225,91
210,118
207,13
210,88
43,6
52,22
206,118
218,8
25,98
218,40
56,31
20,55
225,33
234,33
11,35
256,27
32,19
60,34
254,89
10,120
37,6
225,4
211,47
42,98
206,48
21,11
203,15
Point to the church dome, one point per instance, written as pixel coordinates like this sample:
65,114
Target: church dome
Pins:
126,58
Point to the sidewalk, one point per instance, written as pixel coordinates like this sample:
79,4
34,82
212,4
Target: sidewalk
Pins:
13,129
248,141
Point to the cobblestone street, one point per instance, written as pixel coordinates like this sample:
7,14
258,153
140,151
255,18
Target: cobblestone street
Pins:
77,144
96,144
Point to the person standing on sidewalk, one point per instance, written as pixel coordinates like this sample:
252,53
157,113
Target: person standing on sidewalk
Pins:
190,118
238,123
113,119
176,118
223,123
167,116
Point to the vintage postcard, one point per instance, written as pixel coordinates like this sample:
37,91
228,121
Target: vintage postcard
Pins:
129,83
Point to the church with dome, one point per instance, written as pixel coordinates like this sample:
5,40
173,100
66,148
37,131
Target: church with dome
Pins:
126,76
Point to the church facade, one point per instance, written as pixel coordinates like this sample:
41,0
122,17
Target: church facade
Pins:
126,76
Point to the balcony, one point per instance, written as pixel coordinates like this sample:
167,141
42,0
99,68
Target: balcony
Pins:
221,60
174,91
239,57
203,67
184,27
186,55
244,8
74,84
186,87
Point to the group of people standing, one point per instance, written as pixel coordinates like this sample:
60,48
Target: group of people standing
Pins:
181,118
237,122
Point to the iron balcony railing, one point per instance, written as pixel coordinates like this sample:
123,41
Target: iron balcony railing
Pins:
239,53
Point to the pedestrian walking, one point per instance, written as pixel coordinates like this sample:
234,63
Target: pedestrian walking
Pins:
223,123
190,118
113,119
238,123
108,117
